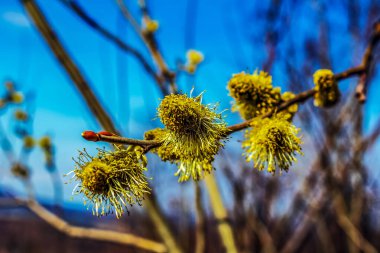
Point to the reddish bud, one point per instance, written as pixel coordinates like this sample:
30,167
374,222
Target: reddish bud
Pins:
90,136
106,133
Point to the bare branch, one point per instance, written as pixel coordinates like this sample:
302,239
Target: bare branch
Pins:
352,232
150,42
78,10
68,64
361,88
88,233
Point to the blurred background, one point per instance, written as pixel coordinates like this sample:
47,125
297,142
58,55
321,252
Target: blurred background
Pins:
327,202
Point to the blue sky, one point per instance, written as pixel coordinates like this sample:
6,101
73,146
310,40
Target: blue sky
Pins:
228,32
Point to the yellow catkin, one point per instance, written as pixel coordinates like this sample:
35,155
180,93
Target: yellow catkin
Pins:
111,181
151,26
327,91
254,94
194,58
272,142
193,135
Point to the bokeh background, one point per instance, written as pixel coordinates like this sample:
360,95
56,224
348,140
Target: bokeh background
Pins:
289,39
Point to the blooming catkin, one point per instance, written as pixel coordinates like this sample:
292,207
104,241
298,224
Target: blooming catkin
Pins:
165,152
271,143
151,26
20,115
253,93
20,171
28,142
112,180
193,134
326,87
194,58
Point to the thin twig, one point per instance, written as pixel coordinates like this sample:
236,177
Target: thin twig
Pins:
305,224
123,140
150,42
68,64
80,12
300,98
361,88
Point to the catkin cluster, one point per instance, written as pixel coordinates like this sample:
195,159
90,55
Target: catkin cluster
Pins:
194,132
111,181
272,142
192,136
12,96
326,87
255,95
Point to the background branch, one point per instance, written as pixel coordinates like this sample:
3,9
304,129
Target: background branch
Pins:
80,12
87,233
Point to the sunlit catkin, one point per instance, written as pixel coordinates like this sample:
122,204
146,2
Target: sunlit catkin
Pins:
193,134
111,181
326,87
194,58
271,143
253,93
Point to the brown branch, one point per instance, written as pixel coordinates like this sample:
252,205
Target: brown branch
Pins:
300,98
268,245
305,224
361,88
349,73
87,233
123,140
370,140
324,235
352,232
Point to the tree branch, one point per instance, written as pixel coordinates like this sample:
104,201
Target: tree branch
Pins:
88,233
352,232
361,88
78,10
68,64
150,42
